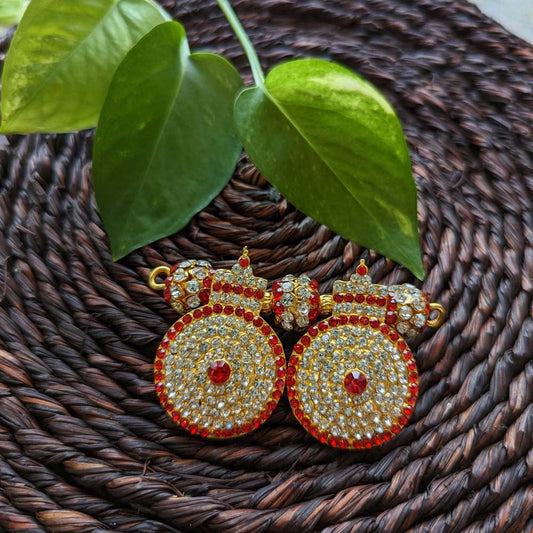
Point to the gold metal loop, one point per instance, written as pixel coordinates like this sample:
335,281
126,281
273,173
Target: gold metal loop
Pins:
152,278
439,319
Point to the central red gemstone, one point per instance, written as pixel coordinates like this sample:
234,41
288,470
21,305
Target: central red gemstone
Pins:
219,372
355,382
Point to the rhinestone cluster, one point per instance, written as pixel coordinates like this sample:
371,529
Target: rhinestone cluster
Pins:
296,301
407,309
220,369
187,285
352,381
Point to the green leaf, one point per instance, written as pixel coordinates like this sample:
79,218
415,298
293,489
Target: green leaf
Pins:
166,142
11,11
333,145
62,58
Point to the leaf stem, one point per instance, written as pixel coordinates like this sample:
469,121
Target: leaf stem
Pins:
241,34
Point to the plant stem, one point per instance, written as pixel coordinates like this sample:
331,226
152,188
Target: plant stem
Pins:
241,34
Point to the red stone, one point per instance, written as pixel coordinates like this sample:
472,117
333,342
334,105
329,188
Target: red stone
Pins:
371,299
248,292
258,321
271,405
354,319
244,262
312,331
159,364
359,298
207,311
364,320
159,387
362,270
184,422
227,287
217,308
348,297
338,298
314,299
239,311
298,348
381,301
247,427
160,354
187,319
265,330
276,394
278,308
323,326
280,384
237,289
164,344
374,322
158,376
280,372
402,345
178,326
166,294
333,321
228,310
305,340
248,316
313,313
171,333
280,361
313,284
272,340
278,349
343,319
207,282
390,317
394,336
217,286
293,360
219,372
355,382
259,294
197,313
193,429
290,384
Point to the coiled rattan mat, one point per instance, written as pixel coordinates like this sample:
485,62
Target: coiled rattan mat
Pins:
84,445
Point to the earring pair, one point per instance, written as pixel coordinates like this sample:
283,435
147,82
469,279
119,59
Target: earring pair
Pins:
351,379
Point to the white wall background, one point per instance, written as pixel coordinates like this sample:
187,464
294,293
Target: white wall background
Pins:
515,15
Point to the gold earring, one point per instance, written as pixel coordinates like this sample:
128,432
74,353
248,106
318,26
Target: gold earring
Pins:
352,381
220,369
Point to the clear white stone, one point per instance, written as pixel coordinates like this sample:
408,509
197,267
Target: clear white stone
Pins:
402,327
405,312
419,320
287,286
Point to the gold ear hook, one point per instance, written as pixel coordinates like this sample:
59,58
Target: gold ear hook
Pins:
152,278
439,319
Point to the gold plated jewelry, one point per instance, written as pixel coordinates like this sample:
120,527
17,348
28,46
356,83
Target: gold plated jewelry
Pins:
351,380
220,369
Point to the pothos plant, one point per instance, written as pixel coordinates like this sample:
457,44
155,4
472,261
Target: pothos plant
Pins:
172,123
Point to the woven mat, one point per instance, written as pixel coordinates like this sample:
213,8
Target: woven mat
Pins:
84,445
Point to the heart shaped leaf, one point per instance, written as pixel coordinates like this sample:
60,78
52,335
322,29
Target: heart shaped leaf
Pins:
62,58
11,12
166,143
333,145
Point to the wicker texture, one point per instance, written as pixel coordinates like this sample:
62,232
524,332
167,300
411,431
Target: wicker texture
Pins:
84,445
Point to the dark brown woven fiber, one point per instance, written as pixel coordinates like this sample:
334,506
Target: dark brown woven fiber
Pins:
84,445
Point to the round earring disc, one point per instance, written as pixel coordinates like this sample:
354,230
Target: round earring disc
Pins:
352,382
220,371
